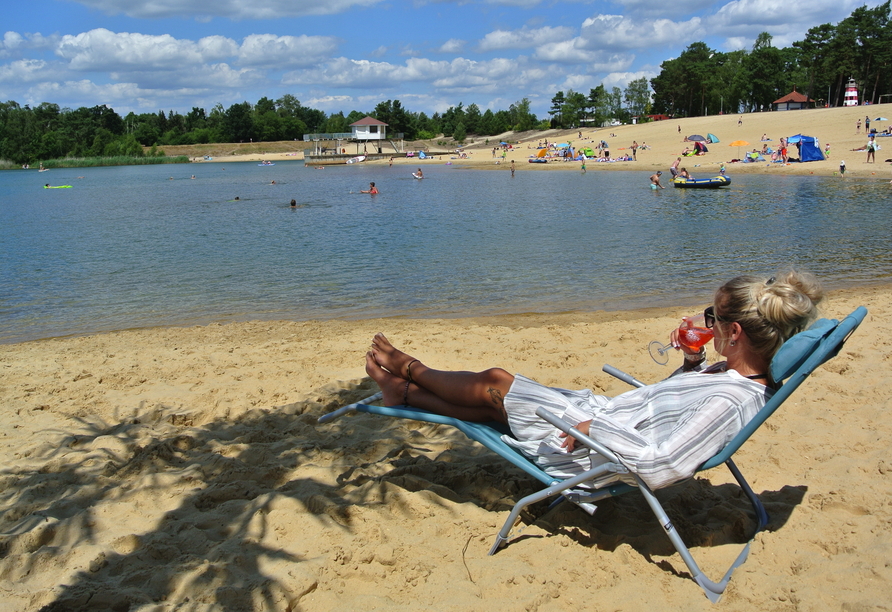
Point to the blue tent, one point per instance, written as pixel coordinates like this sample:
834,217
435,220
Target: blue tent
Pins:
809,148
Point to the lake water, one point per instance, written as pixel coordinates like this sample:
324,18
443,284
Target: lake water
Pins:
147,245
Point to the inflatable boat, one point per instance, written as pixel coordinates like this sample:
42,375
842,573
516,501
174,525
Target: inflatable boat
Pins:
708,183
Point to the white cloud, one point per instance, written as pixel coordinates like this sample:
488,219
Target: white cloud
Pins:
453,45
117,95
14,44
202,10
616,32
661,8
23,71
267,49
523,38
101,49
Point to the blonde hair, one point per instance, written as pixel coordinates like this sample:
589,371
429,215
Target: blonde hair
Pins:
770,310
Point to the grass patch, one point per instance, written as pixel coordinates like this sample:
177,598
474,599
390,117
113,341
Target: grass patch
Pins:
95,162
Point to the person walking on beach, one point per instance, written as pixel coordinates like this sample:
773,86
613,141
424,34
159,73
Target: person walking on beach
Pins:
858,126
666,430
583,163
512,167
871,150
867,125
842,167
634,150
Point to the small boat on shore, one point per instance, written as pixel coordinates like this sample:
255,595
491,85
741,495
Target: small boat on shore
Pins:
704,183
356,160
537,160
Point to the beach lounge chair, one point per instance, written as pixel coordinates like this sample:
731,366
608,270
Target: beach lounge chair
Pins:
792,364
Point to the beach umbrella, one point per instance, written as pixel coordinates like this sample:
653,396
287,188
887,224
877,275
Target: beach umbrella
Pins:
697,138
738,144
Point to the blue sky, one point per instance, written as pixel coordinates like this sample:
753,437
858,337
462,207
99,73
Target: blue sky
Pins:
343,55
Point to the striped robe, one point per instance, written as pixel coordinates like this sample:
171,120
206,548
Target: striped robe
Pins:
663,432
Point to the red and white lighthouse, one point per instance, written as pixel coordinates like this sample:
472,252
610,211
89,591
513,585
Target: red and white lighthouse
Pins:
851,97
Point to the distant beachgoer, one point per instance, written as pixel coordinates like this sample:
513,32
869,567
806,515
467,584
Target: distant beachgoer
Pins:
193,176
419,174
740,121
858,127
236,198
679,129
867,125
583,165
655,180
391,161
871,150
827,150
634,150
512,167
842,167
293,203
372,189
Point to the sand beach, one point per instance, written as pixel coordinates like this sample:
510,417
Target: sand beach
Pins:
834,126
183,469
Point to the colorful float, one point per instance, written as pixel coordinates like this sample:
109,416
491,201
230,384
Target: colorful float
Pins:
704,183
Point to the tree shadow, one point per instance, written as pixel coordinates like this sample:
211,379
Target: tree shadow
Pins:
224,479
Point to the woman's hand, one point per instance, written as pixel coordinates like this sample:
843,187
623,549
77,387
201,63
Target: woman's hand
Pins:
673,338
570,442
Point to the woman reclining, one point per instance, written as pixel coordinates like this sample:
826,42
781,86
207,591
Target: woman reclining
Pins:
663,432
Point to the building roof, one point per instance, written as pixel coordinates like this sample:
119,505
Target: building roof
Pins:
368,121
793,96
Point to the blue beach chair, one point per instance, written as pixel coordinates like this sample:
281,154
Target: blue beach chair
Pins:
792,364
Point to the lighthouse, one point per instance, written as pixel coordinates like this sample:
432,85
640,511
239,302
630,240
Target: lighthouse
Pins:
851,97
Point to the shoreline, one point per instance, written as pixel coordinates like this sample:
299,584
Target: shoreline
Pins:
562,316
834,126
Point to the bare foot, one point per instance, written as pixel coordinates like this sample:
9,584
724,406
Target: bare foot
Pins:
391,359
393,389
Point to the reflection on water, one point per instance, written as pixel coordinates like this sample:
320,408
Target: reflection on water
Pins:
144,246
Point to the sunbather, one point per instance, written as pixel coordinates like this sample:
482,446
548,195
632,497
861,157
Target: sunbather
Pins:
663,431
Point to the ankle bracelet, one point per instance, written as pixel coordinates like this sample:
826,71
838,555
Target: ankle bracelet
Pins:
409,370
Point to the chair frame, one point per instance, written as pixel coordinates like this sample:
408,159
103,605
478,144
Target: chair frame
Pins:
489,434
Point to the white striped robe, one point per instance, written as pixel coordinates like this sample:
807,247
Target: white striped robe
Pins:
663,432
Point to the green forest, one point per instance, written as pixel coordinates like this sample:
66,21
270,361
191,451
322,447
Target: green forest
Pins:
700,81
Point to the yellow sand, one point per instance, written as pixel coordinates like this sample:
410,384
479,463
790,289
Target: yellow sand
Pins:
182,469
836,126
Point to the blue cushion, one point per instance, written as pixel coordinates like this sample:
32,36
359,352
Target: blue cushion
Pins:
797,349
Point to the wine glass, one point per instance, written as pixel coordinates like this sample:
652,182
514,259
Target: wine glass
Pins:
692,333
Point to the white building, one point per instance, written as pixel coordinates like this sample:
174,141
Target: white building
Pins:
369,128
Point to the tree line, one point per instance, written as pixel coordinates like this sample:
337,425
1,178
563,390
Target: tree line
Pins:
47,131
704,81
700,81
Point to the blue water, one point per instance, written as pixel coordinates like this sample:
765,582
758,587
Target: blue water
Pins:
146,246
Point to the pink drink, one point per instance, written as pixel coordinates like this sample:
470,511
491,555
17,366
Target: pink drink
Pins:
694,337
